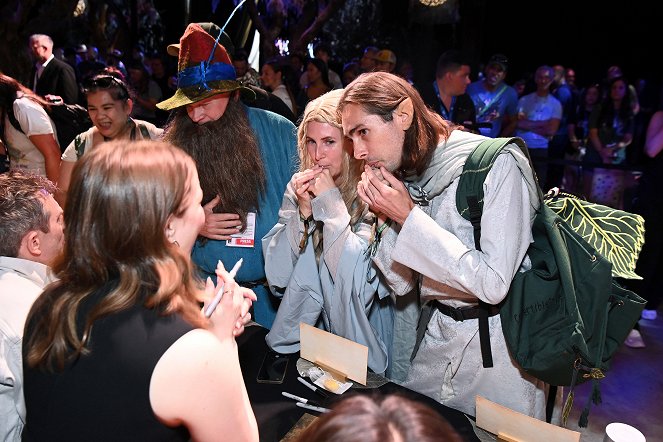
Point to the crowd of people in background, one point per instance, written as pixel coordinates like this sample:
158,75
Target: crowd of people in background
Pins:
570,127
307,170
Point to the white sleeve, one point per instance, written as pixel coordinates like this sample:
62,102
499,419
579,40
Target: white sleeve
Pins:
32,118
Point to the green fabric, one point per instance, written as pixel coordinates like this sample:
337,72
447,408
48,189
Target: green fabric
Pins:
566,311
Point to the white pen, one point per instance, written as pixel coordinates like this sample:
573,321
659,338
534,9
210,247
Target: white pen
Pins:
219,294
300,399
312,408
312,387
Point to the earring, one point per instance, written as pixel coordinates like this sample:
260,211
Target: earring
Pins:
176,243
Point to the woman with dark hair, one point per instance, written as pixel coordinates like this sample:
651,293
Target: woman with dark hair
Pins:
610,133
27,132
318,82
276,78
316,256
118,348
109,105
578,130
390,418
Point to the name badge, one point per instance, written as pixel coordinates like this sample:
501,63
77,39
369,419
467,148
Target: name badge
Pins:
245,238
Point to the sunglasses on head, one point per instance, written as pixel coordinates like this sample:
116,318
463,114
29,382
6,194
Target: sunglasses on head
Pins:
106,82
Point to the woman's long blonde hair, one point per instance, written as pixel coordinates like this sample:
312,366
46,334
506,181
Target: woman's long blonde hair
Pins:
121,197
324,110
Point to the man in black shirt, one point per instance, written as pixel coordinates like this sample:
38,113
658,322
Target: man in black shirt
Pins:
446,94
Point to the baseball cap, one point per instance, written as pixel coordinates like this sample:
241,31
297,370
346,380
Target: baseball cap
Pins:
500,60
386,56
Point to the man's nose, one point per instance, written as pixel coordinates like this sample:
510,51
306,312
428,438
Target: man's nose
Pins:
360,151
196,114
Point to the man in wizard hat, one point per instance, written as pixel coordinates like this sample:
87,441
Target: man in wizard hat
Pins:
244,158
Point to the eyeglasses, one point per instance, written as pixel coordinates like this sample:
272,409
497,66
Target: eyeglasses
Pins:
106,82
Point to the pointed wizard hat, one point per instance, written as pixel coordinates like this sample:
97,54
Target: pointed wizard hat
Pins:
204,69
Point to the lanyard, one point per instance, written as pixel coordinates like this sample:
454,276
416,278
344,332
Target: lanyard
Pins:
443,110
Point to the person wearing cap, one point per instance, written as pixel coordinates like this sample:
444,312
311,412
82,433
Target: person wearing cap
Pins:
385,61
367,61
495,101
51,76
244,158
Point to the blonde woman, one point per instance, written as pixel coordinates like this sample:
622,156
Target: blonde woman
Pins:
317,257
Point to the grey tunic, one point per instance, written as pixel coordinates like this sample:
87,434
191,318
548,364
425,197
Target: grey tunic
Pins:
435,248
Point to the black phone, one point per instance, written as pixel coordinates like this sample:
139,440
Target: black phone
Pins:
273,368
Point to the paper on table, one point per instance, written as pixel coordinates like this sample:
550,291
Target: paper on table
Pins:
339,354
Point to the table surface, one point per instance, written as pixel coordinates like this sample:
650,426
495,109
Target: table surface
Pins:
276,414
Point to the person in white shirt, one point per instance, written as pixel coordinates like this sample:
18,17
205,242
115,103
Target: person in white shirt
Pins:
539,116
29,133
275,77
30,239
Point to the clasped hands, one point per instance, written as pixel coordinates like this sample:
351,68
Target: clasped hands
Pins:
385,194
309,184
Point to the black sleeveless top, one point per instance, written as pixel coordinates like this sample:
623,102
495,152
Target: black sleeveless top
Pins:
104,395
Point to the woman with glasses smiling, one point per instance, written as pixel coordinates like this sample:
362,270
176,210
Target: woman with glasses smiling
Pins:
109,105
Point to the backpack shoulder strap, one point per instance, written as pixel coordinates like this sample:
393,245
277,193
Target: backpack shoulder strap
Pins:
475,170
469,202
144,132
12,119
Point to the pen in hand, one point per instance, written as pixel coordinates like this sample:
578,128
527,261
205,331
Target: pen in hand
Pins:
219,294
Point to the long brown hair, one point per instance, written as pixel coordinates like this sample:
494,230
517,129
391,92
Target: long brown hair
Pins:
362,418
323,110
106,248
380,93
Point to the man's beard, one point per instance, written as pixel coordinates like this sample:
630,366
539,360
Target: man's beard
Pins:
227,157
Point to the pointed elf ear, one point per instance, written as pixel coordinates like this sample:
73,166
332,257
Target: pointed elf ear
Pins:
404,114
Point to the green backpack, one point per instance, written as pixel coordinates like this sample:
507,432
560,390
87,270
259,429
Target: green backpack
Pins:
564,318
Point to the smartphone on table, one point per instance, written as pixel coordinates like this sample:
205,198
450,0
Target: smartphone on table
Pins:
273,368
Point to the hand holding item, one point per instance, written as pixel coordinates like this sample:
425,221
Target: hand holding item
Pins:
387,196
301,182
227,304
219,226
322,183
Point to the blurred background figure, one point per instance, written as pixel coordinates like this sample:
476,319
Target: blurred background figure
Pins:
277,78
28,132
385,61
49,75
611,132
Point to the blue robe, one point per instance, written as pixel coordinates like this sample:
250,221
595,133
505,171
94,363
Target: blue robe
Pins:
278,149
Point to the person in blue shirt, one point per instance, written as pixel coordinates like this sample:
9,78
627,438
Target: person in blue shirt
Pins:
244,156
495,102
